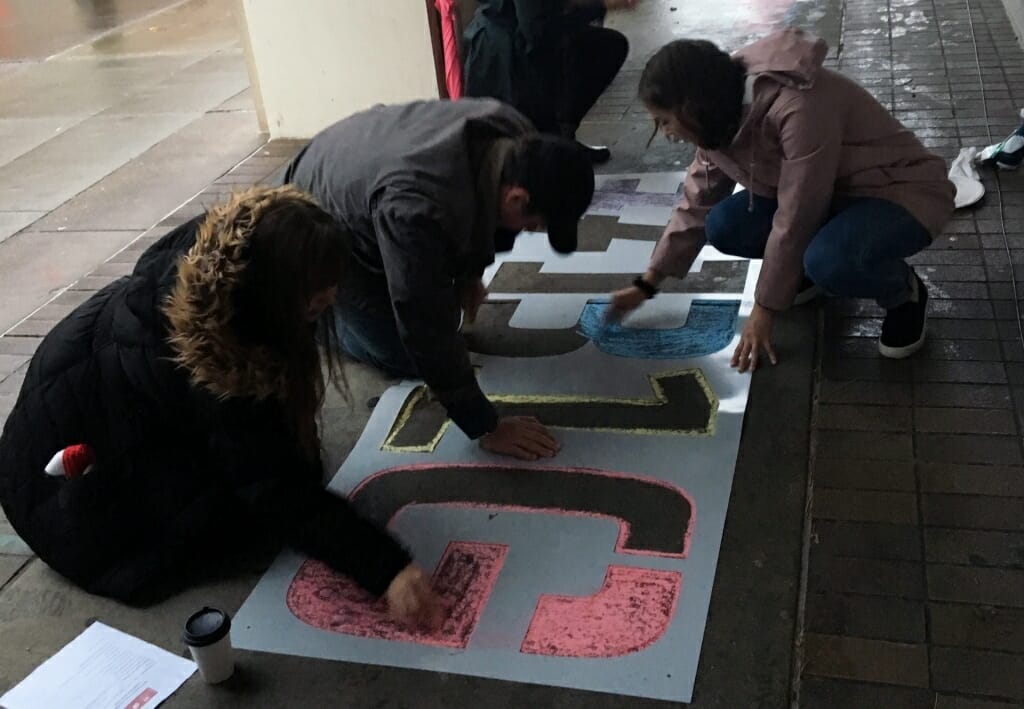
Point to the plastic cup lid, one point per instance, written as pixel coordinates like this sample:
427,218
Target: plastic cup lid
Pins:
205,627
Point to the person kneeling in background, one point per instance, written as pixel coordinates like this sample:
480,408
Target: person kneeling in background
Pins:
837,192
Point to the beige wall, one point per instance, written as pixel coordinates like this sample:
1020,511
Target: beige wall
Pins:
313,62
1015,9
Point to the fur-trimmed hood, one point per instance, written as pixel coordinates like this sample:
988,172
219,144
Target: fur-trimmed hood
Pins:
199,307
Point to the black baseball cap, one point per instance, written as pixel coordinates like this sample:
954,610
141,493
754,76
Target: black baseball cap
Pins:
559,176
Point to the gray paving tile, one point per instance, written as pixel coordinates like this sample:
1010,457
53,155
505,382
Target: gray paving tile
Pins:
974,547
978,672
962,420
1004,514
863,417
141,193
860,474
13,222
865,506
20,135
970,479
198,26
870,445
78,88
66,24
865,540
56,171
37,264
979,585
10,565
874,617
198,87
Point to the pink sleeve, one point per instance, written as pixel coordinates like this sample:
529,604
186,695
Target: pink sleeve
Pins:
705,186
810,142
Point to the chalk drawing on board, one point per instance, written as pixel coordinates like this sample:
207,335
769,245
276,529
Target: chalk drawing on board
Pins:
492,334
630,612
682,404
558,567
636,604
597,232
710,326
528,277
625,499
612,197
464,577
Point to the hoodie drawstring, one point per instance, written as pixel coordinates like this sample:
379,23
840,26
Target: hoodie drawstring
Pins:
753,164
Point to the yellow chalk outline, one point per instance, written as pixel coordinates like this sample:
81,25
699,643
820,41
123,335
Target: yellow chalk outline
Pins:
660,399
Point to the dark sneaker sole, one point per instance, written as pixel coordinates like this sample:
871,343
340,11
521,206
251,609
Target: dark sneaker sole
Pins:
907,350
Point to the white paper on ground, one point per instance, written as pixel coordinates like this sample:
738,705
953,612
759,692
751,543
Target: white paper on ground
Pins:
102,668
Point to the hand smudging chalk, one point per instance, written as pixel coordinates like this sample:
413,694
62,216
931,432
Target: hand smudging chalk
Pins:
710,326
465,575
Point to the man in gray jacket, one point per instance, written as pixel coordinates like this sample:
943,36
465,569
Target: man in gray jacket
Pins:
430,191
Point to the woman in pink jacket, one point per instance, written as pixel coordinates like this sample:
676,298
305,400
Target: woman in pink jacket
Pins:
837,192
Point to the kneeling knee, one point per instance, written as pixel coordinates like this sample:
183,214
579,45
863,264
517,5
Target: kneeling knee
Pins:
822,268
721,234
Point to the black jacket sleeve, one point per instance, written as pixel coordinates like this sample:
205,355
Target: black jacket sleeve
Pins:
545,24
272,479
419,264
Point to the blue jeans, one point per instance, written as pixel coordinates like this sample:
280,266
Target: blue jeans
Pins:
858,253
374,340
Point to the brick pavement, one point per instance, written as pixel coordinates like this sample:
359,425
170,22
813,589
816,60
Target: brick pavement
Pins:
915,586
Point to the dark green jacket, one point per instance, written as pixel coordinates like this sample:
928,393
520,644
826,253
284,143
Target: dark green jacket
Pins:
513,51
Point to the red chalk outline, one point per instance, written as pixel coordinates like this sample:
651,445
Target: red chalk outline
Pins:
552,631
624,527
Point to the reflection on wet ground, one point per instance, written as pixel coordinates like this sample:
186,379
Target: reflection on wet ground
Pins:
32,30
93,88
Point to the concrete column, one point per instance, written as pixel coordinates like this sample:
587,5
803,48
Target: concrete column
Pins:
1015,9
313,62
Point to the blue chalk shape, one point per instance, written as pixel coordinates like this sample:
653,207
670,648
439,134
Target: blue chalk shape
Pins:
709,327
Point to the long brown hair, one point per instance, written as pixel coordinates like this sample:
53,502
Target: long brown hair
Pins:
295,250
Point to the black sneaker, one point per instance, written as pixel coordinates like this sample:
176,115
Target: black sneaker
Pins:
808,291
903,330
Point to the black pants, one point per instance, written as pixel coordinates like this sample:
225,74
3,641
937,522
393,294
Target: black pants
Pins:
574,79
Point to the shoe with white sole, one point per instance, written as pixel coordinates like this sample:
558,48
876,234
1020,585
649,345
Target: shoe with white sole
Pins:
904,327
1009,154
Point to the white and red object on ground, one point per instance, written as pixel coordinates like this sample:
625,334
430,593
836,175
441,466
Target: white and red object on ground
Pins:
71,462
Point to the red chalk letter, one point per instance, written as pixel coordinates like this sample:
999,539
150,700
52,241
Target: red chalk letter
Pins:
630,611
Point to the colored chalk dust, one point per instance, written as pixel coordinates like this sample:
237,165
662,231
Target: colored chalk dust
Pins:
592,570
327,600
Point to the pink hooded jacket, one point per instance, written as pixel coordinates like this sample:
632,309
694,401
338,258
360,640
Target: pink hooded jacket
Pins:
809,135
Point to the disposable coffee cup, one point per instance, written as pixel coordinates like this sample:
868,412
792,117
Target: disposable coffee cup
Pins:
208,636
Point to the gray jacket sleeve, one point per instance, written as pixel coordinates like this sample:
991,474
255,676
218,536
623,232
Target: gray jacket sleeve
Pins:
419,265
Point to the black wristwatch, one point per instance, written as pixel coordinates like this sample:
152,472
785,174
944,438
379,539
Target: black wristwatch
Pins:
649,290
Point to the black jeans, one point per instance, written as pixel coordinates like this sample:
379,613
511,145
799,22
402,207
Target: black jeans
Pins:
574,78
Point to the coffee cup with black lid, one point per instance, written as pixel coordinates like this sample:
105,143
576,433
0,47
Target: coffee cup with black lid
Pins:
208,637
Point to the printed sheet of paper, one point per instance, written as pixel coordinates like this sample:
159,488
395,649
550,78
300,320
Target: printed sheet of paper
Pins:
102,668
592,570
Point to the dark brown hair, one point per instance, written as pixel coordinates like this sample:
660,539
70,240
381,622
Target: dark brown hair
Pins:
295,250
695,76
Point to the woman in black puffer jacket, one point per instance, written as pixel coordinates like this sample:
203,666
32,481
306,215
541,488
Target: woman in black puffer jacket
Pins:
196,381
